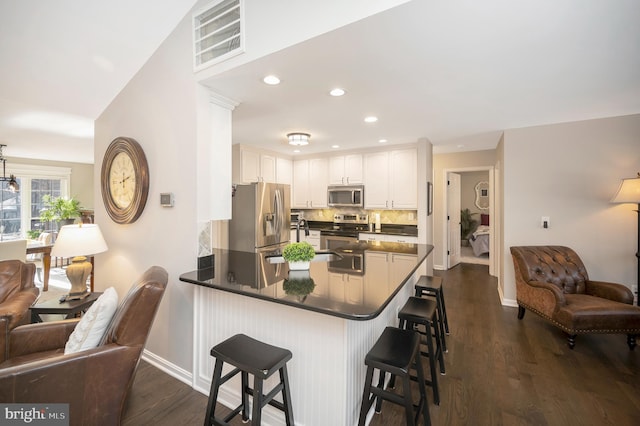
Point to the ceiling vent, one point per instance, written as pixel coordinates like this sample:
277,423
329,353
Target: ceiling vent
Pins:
217,33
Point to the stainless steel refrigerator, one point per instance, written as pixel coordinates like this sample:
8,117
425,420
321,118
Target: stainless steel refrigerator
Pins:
260,217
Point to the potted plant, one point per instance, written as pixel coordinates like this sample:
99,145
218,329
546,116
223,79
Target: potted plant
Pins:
467,226
33,234
59,209
298,255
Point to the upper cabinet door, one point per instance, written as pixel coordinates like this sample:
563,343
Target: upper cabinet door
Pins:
376,180
268,168
403,165
318,177
345,169
249,166
391,180
353,168
300,190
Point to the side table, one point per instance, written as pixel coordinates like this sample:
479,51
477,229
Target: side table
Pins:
71,308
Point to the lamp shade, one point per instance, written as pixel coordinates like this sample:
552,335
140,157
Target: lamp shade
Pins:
629,191
82,239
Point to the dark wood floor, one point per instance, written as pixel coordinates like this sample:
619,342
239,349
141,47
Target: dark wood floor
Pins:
500,371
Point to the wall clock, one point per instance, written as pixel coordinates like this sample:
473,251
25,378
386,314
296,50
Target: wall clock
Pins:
125,180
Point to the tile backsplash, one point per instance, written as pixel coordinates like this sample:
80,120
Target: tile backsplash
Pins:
395,217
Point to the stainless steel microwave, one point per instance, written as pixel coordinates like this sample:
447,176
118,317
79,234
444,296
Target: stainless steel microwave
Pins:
345,196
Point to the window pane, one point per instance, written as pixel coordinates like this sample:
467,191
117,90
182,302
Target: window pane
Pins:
40,188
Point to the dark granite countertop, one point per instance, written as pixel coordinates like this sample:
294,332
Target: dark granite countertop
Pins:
335,287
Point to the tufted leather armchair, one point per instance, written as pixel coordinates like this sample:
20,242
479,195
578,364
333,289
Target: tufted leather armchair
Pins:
94,382
553,282
17,292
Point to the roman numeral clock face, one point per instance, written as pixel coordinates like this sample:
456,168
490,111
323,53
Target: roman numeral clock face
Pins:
122,179
125,180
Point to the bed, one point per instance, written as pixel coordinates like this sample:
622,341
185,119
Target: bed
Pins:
480,238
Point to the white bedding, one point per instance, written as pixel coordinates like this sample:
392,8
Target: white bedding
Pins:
480,240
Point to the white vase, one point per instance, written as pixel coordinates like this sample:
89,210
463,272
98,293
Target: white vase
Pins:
299,266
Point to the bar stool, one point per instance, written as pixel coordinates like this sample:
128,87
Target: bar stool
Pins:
418,311
432,286
250,356
395,352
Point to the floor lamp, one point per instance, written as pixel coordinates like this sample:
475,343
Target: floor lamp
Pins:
629,192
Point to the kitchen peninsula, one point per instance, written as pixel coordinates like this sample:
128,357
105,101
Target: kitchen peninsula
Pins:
329,330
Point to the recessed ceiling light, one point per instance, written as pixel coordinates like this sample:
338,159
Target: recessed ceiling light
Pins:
337,92
335,146
370,119
296,151
271,80
382,141
461,146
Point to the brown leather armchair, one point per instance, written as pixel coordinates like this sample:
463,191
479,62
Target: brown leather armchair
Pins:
94,382
17,292
553,282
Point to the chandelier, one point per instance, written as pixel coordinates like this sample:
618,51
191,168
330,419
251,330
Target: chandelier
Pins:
12,183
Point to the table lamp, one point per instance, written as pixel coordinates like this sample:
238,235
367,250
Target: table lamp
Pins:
78,241
629,192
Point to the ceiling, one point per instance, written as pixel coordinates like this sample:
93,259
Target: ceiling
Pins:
457,73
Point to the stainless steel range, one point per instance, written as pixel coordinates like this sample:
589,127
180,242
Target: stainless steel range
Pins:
345,233
346,227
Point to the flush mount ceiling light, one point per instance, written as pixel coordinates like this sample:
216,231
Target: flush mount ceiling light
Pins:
12,183
370,119
298,139
271,80
337,92
382,141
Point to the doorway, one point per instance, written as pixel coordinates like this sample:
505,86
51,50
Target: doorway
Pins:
472,189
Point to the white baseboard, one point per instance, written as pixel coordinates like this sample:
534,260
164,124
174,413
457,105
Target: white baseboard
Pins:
171,369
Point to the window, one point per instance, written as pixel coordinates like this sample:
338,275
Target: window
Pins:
20,211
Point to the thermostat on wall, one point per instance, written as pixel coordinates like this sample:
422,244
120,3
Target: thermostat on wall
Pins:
166,199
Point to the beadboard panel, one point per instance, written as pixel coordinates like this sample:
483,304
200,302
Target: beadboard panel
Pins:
327,371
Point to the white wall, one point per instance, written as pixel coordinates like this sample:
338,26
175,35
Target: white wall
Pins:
570,172
158,109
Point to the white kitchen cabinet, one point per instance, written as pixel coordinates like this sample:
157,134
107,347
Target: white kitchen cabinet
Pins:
252,165
345,169
384,269
391,179
310,183
376,180
403,166
346,288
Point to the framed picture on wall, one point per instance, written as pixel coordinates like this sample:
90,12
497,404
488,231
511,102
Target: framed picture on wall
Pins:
429,198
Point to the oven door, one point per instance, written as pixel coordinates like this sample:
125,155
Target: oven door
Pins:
333,242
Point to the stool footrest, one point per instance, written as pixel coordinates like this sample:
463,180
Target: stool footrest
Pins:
268,398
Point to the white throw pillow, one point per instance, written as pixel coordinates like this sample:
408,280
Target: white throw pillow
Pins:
93,323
